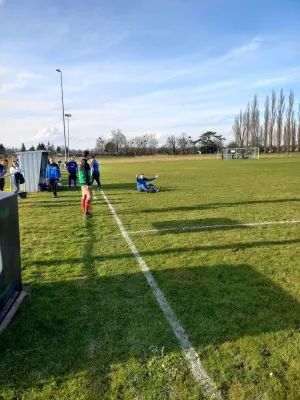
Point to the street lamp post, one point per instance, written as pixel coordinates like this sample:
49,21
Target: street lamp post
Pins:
68,116
63,111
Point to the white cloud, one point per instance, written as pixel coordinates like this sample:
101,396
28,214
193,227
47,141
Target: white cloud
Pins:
290,76
167,97
249,47
50,134
20,80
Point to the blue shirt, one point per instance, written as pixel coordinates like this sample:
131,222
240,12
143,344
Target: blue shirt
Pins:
143,182
52,171
95,166
72,167
2,170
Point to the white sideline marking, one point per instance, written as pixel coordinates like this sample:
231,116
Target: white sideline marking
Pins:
196,228
201,376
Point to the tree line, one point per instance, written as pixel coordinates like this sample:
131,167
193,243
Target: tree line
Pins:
148,144
279,128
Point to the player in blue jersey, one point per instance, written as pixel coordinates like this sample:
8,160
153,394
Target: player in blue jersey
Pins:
53,175
143,186
72,168
95,172
3,170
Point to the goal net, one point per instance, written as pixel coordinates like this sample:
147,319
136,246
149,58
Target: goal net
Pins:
240,153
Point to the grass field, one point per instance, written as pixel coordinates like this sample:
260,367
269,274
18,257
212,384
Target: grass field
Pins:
91,327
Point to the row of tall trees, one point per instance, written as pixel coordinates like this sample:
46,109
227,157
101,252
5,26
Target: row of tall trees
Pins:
279,128
147,144
42,146
117,144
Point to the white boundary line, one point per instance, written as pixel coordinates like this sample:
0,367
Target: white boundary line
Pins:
196,228
201,376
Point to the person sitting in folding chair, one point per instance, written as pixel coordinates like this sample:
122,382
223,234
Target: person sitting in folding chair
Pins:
142,186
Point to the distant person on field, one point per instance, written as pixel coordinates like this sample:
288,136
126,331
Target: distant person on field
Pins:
3,169
72,170
142,186
53,175
85,180
15,179
95,172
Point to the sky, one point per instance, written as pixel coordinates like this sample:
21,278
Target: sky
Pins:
143,66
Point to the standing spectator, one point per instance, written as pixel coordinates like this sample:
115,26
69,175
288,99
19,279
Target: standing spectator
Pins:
3,169
53,175
72,170
85,180
95,172
15,179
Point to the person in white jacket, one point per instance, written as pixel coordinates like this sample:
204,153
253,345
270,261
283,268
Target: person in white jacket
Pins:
13,170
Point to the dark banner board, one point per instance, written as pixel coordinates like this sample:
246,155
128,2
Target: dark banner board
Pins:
10,260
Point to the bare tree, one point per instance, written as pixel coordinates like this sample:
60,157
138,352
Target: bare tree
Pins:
254,122
266,124
293,132
247,125
238,129
118,138
171,143
280,112
272,120
100,145
182,142
261,135
140,144
289,121
299,128
152,142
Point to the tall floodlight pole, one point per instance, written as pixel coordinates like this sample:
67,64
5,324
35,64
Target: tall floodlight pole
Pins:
63,111
68,116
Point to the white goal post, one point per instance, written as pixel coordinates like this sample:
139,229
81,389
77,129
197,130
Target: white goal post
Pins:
239,153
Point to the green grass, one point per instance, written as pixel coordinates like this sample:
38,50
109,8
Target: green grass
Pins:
91,328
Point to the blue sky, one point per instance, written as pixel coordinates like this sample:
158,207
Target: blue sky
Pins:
167,66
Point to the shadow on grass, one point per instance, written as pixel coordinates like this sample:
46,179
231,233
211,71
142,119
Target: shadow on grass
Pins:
232,246
120,186
181,226
83,326
211,206
227,302
88,325
58,200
